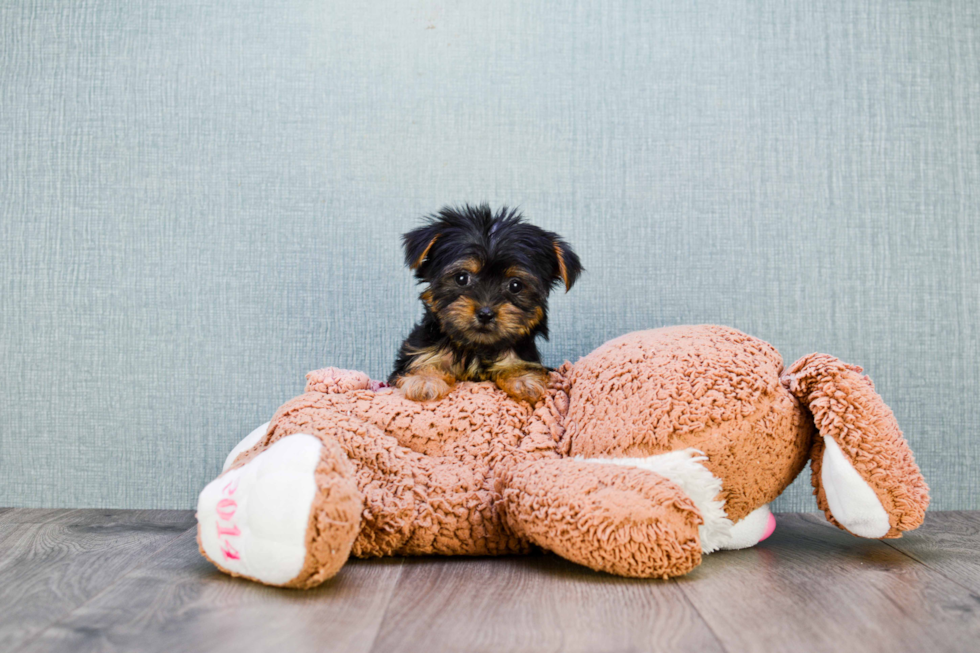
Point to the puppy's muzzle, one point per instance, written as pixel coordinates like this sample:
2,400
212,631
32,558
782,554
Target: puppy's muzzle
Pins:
484,315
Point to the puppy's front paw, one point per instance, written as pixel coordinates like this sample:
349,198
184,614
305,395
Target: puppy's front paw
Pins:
425,386
526,385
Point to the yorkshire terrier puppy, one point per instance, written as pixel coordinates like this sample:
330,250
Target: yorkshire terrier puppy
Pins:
487,278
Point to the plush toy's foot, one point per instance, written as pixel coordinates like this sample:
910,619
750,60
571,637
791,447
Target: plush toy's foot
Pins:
685,468
609,517
852,502
286,516
752,529
864,476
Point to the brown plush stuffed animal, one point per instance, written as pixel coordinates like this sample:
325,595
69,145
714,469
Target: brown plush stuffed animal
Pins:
657,448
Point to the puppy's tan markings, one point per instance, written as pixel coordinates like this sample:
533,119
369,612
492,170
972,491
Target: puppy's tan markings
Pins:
520,273
461,315
536,318
471,372
471,265
436,357
562,268
421,259
520,379
512,320
462,311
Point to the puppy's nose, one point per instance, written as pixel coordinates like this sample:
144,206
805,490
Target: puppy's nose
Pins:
484,315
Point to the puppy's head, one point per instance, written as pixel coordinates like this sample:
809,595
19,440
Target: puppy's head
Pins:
488,274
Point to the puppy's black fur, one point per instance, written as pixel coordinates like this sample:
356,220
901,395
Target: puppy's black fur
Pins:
487,278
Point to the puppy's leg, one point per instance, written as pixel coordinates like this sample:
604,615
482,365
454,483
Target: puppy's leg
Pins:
424,373
426,383
522,380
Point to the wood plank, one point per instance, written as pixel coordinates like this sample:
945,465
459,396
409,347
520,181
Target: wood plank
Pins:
535,603
114,516
811,587
6,530
33,515
179,601
49,568
949,543
110,518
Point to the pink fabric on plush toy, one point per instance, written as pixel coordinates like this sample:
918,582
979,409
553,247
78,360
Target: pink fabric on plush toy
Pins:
770,528
653,450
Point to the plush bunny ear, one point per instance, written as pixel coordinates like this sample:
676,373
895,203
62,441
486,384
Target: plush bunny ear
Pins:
569,267
418,243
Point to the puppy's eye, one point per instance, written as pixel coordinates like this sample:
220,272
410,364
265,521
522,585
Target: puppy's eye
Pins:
515,286
462,279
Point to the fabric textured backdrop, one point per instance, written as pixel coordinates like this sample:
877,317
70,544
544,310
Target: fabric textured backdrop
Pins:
200,201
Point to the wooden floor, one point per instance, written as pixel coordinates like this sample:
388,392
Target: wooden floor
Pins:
96,580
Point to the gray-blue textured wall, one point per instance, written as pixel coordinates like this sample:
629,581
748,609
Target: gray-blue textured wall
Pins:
200,201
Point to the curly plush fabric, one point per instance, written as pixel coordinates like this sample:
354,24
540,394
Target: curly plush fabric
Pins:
637,461
711,388
618,519
846,407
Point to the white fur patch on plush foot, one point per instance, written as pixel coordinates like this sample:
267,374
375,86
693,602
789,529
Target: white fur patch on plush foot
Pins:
752,529
245,444
684,468
253,519
851,500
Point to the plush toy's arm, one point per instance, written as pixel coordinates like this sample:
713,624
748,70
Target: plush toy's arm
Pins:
545,432
334,380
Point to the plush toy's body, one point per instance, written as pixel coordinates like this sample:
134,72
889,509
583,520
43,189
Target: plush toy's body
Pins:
658,447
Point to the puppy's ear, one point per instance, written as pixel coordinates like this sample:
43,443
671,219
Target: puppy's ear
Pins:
418,243
568,267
